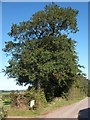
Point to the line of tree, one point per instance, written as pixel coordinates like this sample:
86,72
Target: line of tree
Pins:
42,54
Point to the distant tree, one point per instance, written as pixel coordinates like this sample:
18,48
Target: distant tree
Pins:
40,54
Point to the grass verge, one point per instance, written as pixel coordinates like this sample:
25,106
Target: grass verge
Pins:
56,103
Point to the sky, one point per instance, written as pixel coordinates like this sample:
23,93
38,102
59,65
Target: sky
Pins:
45,0
15,12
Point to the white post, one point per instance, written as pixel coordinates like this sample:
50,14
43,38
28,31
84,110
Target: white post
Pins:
32,103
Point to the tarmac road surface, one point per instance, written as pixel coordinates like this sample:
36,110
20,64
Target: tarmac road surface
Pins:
76,110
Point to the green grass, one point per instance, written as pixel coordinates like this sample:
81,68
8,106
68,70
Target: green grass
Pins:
18,112
56,103
7,101
59,102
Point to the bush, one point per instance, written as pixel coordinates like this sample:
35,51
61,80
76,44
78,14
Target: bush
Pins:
13,97
22,99
64,95
38,96
79,88
40,99
18,100
3,114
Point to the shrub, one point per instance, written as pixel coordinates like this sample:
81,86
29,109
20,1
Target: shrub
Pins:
38,96
3,114
13,97
64,95
18,100
22,99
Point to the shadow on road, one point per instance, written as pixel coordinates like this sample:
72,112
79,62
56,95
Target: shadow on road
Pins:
84,114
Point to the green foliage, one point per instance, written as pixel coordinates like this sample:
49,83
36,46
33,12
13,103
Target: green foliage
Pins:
3,113
65,95
50,21
41,55
79,87
40,99
88,94
22,99
6,99
38,96
52,61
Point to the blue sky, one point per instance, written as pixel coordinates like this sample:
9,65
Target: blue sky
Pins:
19,11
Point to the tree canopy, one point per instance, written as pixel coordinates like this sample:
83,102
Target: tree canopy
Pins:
41,54
50,21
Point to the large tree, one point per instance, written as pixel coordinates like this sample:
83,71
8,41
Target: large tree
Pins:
41,54
50,21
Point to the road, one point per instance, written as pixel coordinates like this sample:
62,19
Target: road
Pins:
71,111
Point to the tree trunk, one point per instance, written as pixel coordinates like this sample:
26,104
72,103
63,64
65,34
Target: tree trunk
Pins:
37,84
